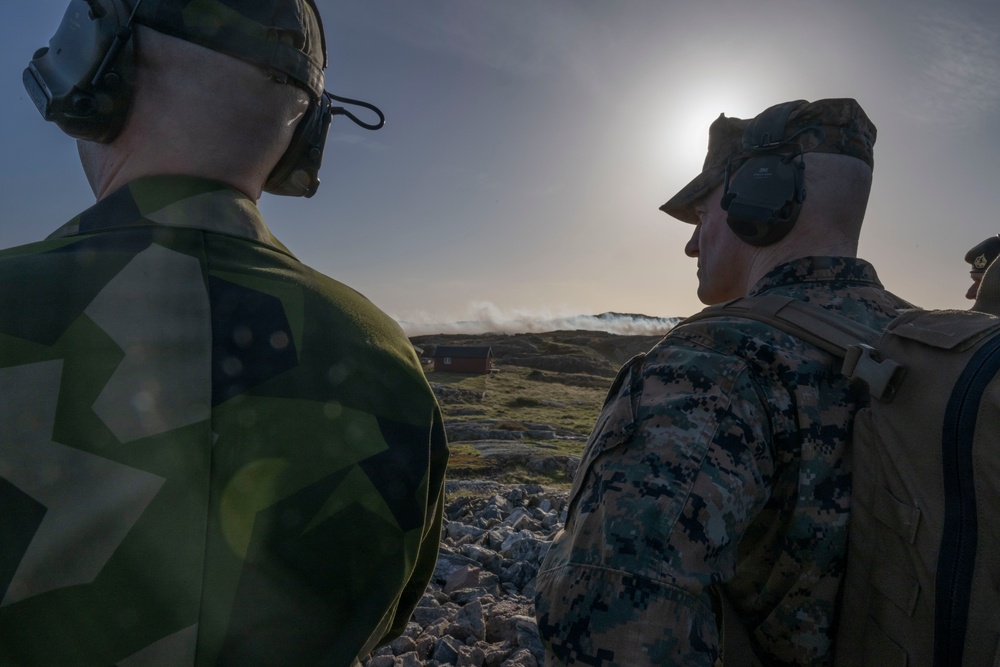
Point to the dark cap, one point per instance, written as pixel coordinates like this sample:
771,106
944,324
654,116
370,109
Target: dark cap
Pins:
725,136
285,36
826,126
983,254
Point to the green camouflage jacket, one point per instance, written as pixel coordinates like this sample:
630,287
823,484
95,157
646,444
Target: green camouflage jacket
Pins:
717,459
209,453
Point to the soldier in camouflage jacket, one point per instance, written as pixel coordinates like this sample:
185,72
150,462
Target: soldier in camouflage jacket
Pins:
715,476
209,452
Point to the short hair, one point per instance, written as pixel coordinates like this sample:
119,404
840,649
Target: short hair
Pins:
215,101
837,190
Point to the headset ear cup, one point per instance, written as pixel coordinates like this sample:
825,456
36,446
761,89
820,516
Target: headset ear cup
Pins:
83,80
764,198
759,233
297,172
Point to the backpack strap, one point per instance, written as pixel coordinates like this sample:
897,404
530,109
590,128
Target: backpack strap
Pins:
839,335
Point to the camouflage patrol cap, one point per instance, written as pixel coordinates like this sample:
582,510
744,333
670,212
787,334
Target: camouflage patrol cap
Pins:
285,36
725,136
983,254
825,126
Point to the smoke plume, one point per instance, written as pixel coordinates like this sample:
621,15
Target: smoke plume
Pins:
487,318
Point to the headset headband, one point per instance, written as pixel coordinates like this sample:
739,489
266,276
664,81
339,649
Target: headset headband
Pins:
768,129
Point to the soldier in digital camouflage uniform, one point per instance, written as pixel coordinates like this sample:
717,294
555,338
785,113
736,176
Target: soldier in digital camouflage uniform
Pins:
715,476
209,452
979,258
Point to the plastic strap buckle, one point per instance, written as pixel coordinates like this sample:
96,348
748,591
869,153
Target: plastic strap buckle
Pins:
882,376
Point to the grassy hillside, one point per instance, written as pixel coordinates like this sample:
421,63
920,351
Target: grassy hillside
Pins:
529,419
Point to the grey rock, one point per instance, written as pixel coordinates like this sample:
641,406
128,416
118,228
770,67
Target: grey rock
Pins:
470,622
457,531
525,522
510,588
426,616
402,645
520,574
517,514
520,546
527,636
467,595
471,656
425,645
517,495
464,596
492,513
497,653
409,660
456,508
521,658
487,558
496,537
447,563
466,576
428,600
500,623
446,650
437,628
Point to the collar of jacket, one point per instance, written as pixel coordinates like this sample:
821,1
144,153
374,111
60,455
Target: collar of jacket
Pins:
175,201
843,270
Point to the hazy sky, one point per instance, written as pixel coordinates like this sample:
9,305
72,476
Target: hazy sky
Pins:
530,142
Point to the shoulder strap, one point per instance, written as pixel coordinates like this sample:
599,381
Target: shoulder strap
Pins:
814,324
839,335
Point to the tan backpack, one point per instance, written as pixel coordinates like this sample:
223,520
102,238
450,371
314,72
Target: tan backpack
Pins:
923,568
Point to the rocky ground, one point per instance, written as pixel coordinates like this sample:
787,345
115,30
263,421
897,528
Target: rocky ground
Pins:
478,610
525,425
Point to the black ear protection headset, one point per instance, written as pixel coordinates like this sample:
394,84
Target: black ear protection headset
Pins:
764,197
297,172
83,80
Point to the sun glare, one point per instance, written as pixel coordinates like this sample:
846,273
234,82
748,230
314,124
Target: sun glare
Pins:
681,140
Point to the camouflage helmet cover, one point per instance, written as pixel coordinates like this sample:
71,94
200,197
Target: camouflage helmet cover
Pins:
285,36
826,126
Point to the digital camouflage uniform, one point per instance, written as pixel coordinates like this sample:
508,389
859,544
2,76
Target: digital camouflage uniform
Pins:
717,459
209,453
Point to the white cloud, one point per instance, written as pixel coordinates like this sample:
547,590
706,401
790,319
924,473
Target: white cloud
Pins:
485,317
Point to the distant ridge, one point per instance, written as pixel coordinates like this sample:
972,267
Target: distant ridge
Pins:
494,322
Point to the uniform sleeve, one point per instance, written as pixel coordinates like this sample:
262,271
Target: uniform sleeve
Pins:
427,551
676,468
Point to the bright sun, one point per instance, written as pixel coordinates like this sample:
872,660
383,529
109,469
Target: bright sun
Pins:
681,140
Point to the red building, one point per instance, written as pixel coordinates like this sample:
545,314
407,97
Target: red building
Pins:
462,359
